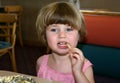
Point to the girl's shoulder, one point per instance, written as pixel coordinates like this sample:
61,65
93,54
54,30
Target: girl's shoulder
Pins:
38,62
86,60
40,59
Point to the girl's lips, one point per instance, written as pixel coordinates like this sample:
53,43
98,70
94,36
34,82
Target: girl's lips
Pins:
62,44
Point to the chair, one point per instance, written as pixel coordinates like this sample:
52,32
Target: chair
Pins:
8,36
18,10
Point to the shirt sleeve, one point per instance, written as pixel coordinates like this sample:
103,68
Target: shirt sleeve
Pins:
86,65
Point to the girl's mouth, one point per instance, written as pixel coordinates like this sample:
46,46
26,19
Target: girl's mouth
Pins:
62,44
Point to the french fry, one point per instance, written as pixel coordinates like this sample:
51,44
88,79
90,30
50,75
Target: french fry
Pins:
68,45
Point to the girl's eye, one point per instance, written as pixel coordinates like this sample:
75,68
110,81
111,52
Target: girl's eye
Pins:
69,29
53,30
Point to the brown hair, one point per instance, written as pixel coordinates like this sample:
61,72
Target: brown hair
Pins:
59,13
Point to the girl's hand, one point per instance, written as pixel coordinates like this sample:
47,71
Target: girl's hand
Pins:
77,59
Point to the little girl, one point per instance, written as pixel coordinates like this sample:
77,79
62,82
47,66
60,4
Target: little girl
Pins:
60,26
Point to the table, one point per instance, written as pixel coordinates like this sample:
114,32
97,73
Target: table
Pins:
38,80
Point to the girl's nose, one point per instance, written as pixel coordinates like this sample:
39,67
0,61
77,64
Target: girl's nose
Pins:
62,34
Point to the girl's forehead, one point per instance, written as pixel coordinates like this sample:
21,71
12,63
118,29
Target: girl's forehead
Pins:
58,25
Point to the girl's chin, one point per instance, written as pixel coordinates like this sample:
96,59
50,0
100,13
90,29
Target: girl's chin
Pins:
62,53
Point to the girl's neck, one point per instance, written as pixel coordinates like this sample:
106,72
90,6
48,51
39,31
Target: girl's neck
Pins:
60,58
60,63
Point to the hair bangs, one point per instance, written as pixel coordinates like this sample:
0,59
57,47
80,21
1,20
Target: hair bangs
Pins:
63,15
62,19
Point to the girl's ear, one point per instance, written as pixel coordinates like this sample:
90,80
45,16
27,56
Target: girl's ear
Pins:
48,50
82,39
79,38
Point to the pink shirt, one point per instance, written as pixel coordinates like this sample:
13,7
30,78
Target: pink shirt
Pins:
48,73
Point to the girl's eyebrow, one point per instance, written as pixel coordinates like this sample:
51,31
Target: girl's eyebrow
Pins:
53,25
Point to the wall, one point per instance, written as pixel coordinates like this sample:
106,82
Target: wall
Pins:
31,8
111,5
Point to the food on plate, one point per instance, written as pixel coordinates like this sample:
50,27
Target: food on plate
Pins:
16,79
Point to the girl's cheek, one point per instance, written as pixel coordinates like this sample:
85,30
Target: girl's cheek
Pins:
75,40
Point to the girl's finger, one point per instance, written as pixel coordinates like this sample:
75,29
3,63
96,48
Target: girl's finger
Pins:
75,53
78,52
76,56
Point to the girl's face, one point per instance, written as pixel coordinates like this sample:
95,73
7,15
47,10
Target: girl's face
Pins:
58,35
